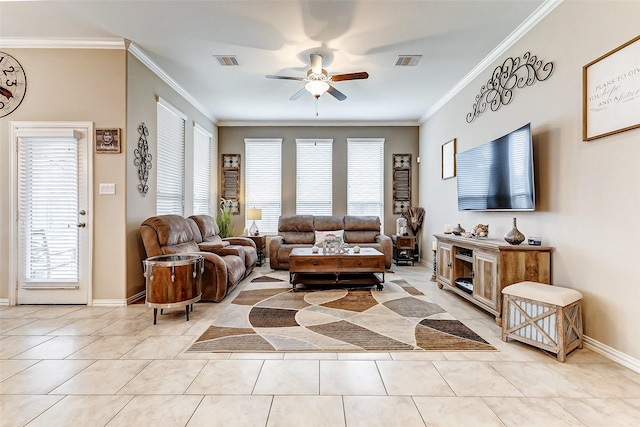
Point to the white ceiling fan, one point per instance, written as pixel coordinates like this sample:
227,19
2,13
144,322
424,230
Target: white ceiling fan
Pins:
318,80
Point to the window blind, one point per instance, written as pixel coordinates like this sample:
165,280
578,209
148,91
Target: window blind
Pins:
314,177
170,162
48,208
202,140
365,177
263,181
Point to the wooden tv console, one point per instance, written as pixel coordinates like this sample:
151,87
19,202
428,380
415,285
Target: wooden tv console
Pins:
488,265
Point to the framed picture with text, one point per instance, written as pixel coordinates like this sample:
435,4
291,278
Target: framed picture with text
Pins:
611,92
107,141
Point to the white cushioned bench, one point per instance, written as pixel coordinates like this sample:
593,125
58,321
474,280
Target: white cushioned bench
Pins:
544,316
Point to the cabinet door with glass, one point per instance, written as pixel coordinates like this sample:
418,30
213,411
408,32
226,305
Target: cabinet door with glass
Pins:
485,279
444,264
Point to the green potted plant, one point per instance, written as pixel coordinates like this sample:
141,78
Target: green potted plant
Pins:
224,218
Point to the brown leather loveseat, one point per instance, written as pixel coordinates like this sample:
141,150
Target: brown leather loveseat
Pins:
207,235
297,231
174,234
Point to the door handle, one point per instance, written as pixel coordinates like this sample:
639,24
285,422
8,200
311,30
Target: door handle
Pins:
82,225
82,212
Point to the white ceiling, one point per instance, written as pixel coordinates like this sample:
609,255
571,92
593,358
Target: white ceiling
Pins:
276,37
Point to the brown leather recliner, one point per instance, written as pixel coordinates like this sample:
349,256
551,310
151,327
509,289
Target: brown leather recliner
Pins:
172,234
207,235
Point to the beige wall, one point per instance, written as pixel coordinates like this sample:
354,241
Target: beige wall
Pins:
143,88
398,140
588,194
76,85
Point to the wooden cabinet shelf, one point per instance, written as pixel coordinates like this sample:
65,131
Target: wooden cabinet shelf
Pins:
489,265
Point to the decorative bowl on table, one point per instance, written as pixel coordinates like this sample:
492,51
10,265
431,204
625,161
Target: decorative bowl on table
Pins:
480,231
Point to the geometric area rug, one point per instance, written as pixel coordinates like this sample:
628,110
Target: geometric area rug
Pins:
267,316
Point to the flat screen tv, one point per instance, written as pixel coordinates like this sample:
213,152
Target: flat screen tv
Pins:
498,175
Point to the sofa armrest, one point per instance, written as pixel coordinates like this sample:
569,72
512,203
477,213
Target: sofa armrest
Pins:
387,244
237,251
242,241
274,244
214,279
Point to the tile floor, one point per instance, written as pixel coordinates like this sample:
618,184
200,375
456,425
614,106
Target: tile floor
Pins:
104,366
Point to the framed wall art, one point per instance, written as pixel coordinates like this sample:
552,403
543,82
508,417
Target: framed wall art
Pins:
107,141
611,92
448,159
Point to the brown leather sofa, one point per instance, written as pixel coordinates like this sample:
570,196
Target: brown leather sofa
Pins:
207,235
173,234
297,231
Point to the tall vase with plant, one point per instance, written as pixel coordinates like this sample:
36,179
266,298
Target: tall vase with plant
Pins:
224,219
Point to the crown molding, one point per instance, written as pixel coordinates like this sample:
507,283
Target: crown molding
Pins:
63,43
511,39
155,68
308,123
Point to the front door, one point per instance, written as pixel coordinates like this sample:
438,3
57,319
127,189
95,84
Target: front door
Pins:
52,225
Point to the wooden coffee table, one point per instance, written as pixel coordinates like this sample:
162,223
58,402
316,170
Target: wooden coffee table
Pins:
364,268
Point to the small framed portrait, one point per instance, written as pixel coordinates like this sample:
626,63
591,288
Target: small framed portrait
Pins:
107,141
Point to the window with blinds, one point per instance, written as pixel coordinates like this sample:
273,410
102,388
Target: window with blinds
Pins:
365,177
48,208
202,140
170,161
263,182
314,177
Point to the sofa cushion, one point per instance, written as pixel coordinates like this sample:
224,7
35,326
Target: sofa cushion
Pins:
170,229
297,237
362,223
328,222
295,223
321,236
360,236
181,248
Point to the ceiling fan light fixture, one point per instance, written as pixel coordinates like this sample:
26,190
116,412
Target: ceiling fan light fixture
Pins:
317,87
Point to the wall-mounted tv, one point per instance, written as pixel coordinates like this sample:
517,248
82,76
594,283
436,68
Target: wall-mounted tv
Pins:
498,175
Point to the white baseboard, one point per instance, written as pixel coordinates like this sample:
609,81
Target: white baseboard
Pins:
136,297
4,301
109,302
612,354
118,302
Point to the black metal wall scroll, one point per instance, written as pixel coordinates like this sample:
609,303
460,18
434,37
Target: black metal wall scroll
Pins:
143,159
514,73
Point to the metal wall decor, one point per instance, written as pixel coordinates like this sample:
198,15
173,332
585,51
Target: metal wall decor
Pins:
231,181
401,182
513,73
143,159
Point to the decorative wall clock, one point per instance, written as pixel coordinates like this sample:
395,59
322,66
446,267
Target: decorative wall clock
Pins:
13,84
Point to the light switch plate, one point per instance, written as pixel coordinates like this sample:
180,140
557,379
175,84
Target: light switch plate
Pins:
107,189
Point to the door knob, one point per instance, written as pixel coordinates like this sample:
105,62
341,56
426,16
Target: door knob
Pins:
82,212
82,225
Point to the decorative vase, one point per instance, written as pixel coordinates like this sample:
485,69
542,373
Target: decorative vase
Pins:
514,237
457,230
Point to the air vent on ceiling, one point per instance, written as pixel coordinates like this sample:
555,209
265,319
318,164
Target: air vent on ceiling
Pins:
227,60
407,60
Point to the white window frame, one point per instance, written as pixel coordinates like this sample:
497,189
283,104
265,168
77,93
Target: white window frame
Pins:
365,177
170,179
314,176
263,183
202,149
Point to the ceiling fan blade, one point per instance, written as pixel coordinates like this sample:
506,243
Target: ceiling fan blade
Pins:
269,76
316,63
336,93
350,76
298,94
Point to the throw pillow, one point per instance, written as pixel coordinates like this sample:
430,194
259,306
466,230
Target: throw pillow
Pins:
322,235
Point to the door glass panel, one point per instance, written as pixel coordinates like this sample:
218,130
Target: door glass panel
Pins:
48,210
